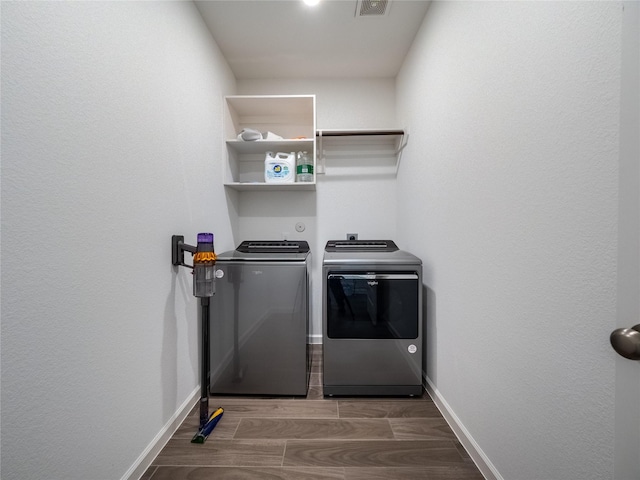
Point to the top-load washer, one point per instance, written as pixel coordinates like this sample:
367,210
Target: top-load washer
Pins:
260,320
371,319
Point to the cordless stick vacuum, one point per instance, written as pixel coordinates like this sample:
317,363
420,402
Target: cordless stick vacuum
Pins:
204,260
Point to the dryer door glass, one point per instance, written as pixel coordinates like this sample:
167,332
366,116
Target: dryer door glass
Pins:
372,305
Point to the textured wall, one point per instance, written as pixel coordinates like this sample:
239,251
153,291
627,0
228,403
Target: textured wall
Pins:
111,136
508,192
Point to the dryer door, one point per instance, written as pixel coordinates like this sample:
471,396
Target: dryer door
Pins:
373,305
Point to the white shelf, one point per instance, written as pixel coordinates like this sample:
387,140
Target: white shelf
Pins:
273,187
366,144
261,146
289,116
290,106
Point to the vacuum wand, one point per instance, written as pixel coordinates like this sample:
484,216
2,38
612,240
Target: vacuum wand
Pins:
207,422
204,260
204,374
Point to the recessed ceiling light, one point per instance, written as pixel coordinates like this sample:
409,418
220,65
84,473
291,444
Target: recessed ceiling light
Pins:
312,2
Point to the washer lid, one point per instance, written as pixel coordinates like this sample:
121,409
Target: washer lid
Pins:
369,260
361,246
273,246
268,251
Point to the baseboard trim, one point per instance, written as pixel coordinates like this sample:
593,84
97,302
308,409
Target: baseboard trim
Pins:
143,462
481,460
315,339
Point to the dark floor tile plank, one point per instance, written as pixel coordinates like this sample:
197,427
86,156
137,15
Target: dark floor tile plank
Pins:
315,393
421,429
371,453
405,408
315,379
248,473
224,430
223,453
303,428
265,408
457,472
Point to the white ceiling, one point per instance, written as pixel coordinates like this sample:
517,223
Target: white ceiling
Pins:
286,38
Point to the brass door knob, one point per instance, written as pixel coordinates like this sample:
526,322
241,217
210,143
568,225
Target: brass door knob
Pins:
626,341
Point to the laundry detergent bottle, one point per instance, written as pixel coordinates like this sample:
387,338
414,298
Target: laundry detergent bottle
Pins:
279,168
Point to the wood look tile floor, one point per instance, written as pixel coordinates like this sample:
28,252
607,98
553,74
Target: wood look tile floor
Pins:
341,438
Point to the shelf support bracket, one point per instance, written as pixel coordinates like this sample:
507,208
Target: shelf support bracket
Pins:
320,157
404,141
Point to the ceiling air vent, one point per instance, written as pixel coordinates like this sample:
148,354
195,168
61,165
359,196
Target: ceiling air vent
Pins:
372,8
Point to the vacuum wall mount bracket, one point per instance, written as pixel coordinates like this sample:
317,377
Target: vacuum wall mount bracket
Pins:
178,247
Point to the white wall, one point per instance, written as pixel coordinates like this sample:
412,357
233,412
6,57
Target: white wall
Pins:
508,192
111,137
352,197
